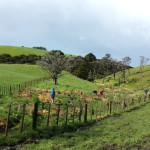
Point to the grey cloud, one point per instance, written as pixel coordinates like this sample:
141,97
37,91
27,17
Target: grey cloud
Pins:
76,27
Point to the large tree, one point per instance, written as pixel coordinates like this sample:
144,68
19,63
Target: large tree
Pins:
53,63
90,57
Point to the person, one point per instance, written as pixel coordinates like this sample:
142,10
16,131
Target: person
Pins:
52,95
101,92
95,92
145,91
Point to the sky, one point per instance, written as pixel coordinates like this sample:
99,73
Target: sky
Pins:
78,27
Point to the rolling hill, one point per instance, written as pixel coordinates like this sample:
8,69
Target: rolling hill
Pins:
135,80
15,51
128,130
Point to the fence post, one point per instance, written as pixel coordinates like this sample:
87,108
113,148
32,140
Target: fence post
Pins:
8,119
96,112
73,114
23,114
80,113
48,116
58,112
110,107
35,115
66,114
19,88
85,112
10,90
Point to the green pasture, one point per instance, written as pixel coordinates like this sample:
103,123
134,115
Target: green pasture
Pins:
69,82
135,80
15,51
129,130
11,74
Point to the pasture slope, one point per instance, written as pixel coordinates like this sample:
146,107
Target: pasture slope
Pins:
124,131
15,51
12,74
135,80
127,131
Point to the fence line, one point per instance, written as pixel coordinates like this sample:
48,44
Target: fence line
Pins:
10,89
65,114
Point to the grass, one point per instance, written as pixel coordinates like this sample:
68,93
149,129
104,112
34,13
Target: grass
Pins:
125,131
129,130
15,74
135,80
69,82
15,51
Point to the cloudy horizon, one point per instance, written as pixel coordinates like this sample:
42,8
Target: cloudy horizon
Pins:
118,27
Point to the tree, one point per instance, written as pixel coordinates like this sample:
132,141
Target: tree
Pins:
143,61
126,61
59,52
53,64
90,57
107,56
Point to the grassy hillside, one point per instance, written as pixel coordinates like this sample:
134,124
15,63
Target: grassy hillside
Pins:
13,50
19,73
126,131
136,80
69,82
15,74
129,130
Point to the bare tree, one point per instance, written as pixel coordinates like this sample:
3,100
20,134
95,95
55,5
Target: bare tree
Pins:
125,65
143,61
126,61
53,64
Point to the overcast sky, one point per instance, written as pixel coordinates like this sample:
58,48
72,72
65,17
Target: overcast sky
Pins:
118,27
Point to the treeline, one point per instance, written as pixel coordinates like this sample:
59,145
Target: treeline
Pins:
87,67
21,59
90,68
41,48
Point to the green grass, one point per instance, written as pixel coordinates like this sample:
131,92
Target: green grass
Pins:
126,131
15,51
135,80
69,82
12,74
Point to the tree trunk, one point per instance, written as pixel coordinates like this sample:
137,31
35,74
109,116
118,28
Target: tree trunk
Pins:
55,80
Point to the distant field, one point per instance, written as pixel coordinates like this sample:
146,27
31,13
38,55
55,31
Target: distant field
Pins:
15,74
14,51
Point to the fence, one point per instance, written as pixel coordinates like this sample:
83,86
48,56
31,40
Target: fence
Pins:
6,90
47,114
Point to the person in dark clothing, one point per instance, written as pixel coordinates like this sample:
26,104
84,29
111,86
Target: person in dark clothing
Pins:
95,92
145,91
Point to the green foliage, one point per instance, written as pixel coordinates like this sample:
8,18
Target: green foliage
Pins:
90,57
